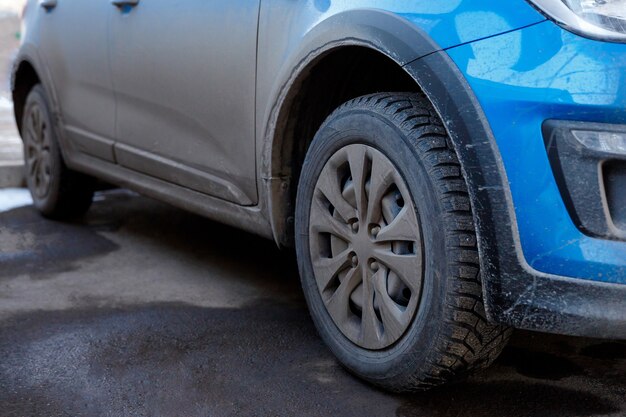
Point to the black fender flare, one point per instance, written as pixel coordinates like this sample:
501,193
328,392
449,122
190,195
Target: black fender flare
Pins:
29,54
514,293
379,30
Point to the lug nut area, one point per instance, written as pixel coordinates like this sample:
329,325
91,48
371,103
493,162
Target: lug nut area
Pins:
354,225
374,230
354,259
373,264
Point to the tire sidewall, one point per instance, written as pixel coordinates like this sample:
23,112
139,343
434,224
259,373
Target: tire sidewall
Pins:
382,133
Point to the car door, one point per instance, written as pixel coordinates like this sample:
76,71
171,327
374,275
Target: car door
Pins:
184,76
74,46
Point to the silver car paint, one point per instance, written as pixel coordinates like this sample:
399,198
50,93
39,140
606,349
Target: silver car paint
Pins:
184,78
82,79
290,51
292,34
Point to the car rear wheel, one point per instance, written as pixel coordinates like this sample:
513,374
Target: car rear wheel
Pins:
387,246
57,191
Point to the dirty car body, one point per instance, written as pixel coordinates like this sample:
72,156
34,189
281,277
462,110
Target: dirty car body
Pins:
211,106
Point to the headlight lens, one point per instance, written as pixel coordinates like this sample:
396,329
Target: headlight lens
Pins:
598,19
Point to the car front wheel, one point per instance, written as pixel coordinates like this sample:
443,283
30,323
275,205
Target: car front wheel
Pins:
57,191
387,247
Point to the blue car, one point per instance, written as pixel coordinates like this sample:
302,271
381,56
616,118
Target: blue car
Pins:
445,170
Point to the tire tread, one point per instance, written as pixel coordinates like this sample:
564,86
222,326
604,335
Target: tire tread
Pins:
467,341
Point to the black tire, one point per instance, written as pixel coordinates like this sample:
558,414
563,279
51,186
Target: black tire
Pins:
449,335
57,191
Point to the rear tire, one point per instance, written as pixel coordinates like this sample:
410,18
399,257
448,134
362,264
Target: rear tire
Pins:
57,191
447,334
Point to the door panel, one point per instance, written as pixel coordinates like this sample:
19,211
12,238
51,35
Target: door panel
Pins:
74,44
184,74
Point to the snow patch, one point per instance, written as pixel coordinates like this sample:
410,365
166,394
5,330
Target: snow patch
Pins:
5,103
11,198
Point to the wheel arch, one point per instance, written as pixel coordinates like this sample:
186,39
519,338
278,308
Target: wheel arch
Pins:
377,43
28,70
24,78
432,72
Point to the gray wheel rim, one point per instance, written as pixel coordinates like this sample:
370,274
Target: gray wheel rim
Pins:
37,151
366,248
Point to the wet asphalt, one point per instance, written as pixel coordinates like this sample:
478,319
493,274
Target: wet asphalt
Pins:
140,309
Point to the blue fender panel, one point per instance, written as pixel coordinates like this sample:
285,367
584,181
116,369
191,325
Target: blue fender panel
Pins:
522,79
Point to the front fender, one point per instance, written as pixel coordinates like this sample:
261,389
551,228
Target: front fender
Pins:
387,33
293,37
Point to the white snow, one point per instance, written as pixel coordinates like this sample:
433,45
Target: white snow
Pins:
11,198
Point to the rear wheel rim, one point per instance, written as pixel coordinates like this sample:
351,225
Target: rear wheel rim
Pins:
366,247
37,152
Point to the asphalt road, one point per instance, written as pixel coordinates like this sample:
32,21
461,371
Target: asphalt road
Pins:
141,309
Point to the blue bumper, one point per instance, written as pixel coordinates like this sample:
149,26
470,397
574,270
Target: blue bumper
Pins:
521,79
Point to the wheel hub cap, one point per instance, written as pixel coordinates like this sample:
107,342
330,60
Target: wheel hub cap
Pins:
366,246
37,151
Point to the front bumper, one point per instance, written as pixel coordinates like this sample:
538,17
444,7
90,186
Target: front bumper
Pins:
521,79
560,305
548,274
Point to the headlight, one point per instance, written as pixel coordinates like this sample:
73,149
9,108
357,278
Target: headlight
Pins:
598,19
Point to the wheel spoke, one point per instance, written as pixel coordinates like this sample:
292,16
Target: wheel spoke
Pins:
338,304
327,268
370,332
328,185
45,171
30,150
45,154
44,139
31,160
357,159
407,267
39,179
34,167
323,222
393,320
40,166
381,179
404,227
37,123
30,132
